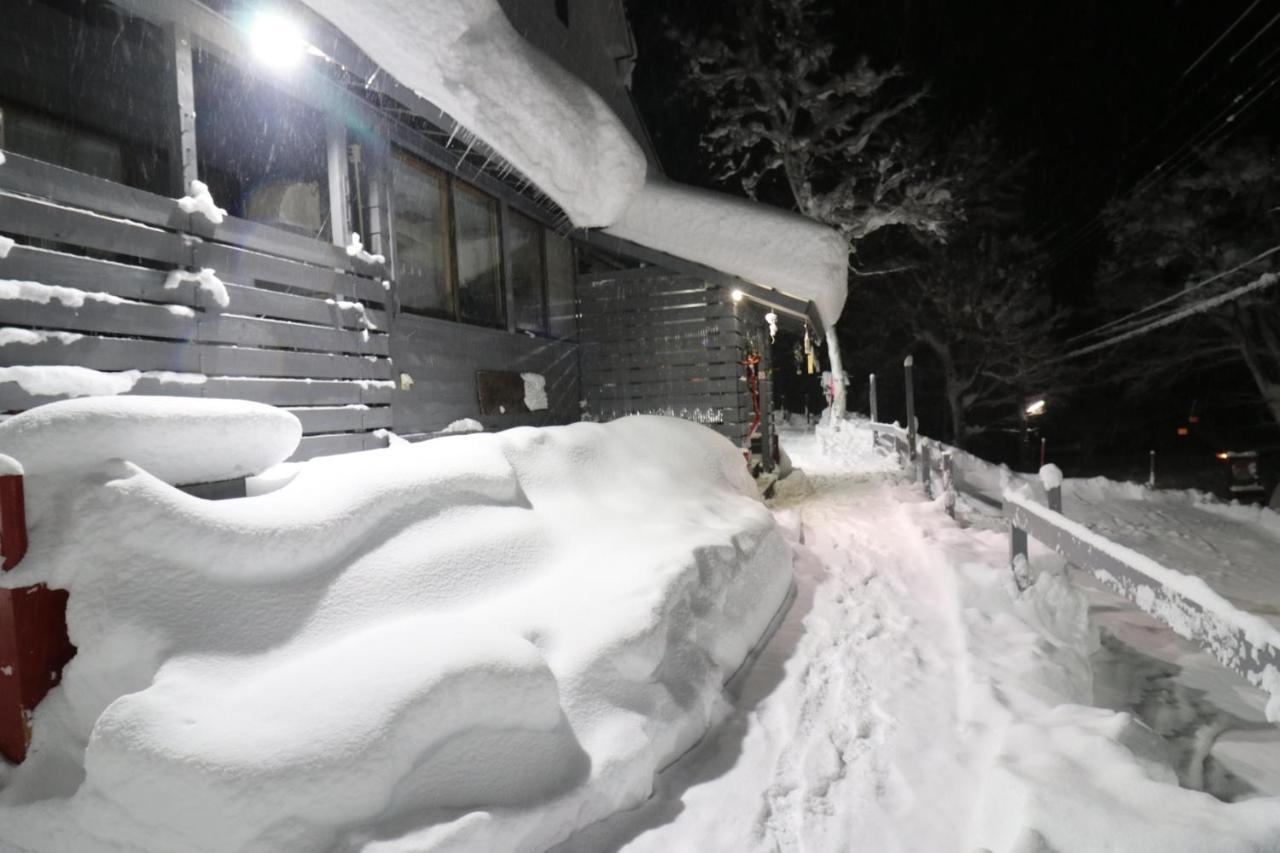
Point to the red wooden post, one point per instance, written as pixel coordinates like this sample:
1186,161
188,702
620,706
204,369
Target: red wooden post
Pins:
33,631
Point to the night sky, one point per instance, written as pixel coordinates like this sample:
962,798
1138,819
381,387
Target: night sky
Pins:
1099,90
1096,88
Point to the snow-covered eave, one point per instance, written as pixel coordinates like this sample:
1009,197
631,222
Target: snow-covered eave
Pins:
466,58
764,246
784,303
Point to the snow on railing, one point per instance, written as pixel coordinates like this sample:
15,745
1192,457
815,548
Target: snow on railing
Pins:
1241,641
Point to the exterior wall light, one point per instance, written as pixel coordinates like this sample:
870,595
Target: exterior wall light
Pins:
736,295
276,41
1035,407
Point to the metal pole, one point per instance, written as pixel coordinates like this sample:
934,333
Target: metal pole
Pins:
1151,477
875,409
911,408
764,380
1043,443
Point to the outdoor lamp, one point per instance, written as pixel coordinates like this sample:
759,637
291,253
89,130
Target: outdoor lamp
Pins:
276,41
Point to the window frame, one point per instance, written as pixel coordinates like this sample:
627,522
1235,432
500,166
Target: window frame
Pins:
450,310
456,184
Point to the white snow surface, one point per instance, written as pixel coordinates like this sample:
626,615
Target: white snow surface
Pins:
765,245
913,699
199,200
535,391
175,439
480,642
463,425
206,279
466,58
69,380
10,466
355,249
1051,476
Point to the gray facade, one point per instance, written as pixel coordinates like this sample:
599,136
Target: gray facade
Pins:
478,286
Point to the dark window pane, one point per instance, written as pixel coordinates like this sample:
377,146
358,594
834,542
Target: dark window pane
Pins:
422,235
82,85
560,287
479,270
524,254
262,153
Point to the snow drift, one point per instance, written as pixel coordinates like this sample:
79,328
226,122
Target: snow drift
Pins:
465,56
177,439
765,245
476,643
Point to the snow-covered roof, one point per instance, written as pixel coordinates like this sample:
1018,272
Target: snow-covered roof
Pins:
466,58
765,245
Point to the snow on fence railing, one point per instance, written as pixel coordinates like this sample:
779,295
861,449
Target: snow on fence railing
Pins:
1241,641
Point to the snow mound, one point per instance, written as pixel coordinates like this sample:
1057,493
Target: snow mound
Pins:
481,642
200,200
765,245
535,391
176,439
467,58
463,425
1051,476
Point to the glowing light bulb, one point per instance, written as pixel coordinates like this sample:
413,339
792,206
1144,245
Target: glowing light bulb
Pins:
736,295
276,41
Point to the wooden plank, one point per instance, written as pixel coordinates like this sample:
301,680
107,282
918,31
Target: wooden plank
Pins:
246,267
125,318
27,263
267,239
655,374
604,303
47,221
318,311
14,399
297,392
26,176
105,353
327,445
639,359
251,331
245,361
331,419
119,353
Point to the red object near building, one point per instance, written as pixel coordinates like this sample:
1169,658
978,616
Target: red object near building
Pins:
33,631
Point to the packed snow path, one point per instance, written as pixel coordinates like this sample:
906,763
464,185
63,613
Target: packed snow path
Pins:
912,700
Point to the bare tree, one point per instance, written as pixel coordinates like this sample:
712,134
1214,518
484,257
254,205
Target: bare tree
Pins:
1218,220
788,125
975,303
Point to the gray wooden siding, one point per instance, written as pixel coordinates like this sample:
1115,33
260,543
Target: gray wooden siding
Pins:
305,329
660,343
441,358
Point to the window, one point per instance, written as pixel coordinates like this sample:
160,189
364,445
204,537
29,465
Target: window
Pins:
262,153
422,257
478,253
561,310
528,274
81,86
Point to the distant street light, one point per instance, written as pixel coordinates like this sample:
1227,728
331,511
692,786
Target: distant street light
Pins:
1035,408
277,42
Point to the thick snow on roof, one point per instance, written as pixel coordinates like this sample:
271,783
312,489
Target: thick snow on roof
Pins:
765,245
480,642
465,57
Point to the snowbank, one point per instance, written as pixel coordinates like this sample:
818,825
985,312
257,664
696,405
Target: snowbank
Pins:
474,643
176,439
765,245
465,56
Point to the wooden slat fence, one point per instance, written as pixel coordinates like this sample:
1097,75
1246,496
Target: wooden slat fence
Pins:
659,343
84,288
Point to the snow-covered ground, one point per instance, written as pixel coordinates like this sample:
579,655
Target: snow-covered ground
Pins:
1234,548
914,700
493,642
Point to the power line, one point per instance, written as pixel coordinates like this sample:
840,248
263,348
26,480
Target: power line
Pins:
1179,295
1263,281
1220,38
